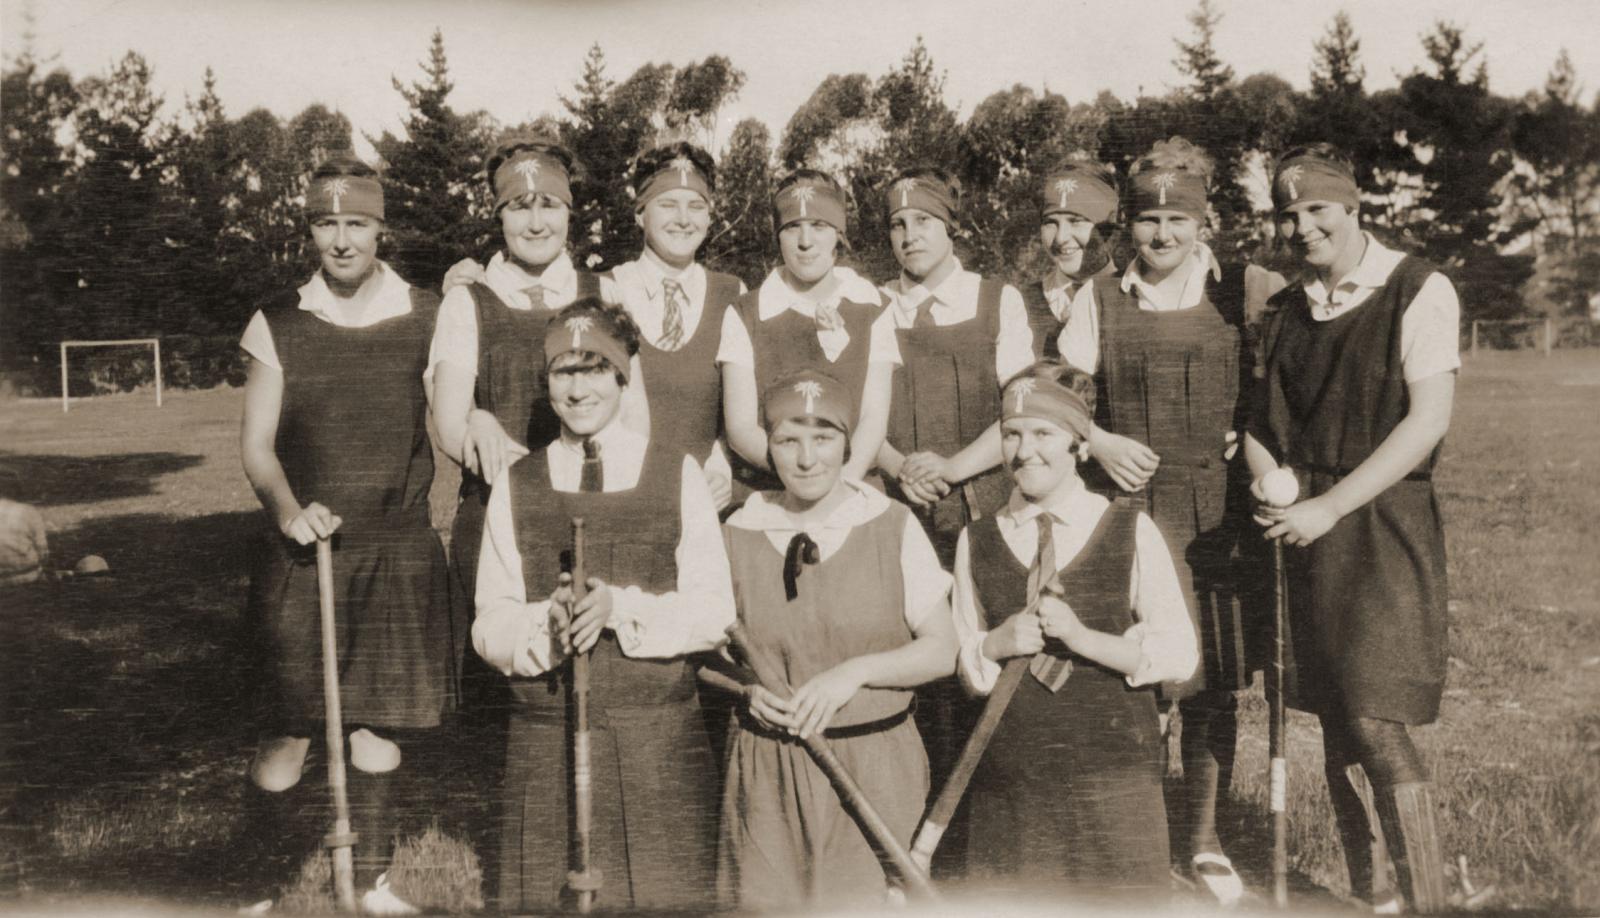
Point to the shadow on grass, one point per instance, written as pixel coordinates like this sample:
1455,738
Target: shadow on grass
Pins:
127,710
53,480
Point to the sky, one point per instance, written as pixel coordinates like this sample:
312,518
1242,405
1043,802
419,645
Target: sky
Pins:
514,59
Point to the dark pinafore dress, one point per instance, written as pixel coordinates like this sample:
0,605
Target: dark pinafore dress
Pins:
945,395
685,386
654,779
510,385
1043,323
786,839
1367,600
788,343
1068,794
352,436
1177,382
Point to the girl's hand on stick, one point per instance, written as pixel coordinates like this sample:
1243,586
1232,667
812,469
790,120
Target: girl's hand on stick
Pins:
590,616
1021,635
816,702
771,711
313,522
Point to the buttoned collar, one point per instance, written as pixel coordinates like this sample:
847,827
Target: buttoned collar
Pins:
392,297
1074,503
775,296
1201,262
510,280
614,439
764,511
1377,262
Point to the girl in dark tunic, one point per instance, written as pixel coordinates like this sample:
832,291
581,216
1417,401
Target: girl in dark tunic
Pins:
809,312
1068,794
335,444
839,583
1166,344
658,592
1077,204
485,360
1356,398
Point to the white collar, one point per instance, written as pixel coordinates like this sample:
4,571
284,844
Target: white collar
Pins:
764,511
646,273
612,438
949,291
391,298
1202,262
504,274
1377,262
1062,508
775,296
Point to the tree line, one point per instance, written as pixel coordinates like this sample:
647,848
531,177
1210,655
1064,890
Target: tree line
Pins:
118,221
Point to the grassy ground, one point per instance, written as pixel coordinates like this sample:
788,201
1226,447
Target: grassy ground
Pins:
125,704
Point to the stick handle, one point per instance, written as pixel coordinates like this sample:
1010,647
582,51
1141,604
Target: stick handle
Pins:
1279,778
850,793
340,840
944,806
583,879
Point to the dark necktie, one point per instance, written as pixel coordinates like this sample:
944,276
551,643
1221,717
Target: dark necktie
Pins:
677,305
1047,667
924,317
594,474
802,550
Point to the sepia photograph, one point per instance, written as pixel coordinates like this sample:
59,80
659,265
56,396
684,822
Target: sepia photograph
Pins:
679,457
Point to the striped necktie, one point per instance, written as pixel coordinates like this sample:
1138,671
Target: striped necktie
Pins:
594,474
1051,670
677,303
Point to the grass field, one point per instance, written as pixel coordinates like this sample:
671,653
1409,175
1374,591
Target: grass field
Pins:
125,713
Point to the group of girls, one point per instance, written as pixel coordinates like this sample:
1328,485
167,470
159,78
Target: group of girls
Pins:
882,486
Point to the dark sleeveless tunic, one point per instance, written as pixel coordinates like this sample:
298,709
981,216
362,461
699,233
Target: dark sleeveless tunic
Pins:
945,395
787,343
654,779
352,436
1069,790
1177,382
511,386
1043,323
685,386
1369,621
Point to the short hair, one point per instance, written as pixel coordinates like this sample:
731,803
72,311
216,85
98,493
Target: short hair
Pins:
1058,371
945,176
805,173
1176,153
1317,150
342,162
616,317
811,420
532,143
651,161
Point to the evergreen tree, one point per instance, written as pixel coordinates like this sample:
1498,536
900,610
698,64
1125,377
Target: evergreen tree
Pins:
1198,59
433,182
742,241
1336,69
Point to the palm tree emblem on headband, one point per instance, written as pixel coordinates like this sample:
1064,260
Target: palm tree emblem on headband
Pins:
1065,187
336,188
804,194
529,170
905,186
684,165
578,325
1021,389
1165,181
1290,179
810,390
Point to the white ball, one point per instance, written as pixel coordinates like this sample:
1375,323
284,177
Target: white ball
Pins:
1279,487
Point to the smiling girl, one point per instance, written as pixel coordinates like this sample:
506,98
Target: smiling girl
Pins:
335,444
1078,203
1068,793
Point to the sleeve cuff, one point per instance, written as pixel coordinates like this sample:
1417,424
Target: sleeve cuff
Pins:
978,672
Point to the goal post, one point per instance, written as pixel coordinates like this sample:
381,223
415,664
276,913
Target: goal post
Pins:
153,343
1544,334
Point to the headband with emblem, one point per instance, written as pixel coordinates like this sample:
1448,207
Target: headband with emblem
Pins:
677,172
810,199
1031,397
586,330
1306,179
345,194
1075,190
925,193
1168,189
529,172
806,394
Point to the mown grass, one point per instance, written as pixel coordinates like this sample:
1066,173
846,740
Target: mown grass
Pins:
125,706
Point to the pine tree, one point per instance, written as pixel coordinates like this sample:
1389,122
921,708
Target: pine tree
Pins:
1336,70
1198,59
433,177
741,240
